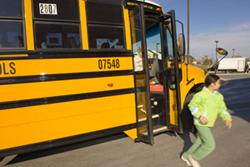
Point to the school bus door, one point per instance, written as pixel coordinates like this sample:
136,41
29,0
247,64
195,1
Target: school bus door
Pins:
173,70
152,77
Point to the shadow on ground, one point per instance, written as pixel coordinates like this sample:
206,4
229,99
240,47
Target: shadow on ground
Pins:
62,149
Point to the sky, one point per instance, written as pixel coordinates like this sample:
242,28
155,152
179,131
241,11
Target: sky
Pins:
227,21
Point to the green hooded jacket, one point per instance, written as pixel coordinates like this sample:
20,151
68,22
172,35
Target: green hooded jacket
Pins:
208,104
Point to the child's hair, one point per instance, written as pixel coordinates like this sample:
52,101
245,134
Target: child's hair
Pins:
211,78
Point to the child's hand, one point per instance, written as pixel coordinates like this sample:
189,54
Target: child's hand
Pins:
203,120
228,124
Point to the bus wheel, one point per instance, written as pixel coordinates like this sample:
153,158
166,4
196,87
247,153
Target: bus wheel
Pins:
186,116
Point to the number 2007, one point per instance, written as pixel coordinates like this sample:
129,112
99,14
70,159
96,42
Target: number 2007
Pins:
48,9
108,64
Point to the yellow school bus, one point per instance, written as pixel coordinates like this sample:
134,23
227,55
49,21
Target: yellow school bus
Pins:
75,70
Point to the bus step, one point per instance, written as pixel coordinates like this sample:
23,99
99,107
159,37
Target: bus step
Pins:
145,118
6,160
160,129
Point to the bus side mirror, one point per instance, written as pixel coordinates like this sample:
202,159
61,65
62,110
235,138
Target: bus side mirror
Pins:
181,44
181,41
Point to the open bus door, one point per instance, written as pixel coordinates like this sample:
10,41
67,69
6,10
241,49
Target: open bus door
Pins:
173,72
153,79
144,115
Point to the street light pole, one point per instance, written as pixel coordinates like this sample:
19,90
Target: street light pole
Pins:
233,51
157,47
216,55
216,46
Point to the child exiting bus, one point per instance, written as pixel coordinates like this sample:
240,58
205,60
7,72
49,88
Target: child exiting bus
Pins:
205,106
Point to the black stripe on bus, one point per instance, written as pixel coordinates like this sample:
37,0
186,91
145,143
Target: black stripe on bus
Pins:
57,77
61,99
60,54
66,141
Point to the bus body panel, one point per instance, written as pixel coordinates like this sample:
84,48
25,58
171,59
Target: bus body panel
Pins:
34,124
52,98
41,67
35,90
195,77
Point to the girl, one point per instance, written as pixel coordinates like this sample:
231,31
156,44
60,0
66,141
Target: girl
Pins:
205,106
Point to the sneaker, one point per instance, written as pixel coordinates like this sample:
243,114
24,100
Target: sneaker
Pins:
185,160
193,162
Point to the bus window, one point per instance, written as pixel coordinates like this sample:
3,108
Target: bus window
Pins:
11,8
57,36
56,24
11,23
11,35
105,27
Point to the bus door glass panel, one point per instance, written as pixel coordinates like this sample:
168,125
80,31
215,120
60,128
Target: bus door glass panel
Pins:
141,79
170,54
170,72
155,66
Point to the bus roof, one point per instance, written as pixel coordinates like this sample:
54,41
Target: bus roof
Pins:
152,2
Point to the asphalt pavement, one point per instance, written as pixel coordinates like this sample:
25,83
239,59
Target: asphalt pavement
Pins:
233,146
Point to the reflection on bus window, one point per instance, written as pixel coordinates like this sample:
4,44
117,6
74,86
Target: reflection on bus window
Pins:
138,61
54,40
138,57
136,31
57,36
11,35
101,37
154,50
169,43
153,36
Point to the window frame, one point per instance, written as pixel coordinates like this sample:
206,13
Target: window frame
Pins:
59,22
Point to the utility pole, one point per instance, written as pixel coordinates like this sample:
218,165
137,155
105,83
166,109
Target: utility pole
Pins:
188,31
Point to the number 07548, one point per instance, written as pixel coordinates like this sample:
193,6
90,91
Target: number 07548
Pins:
108,64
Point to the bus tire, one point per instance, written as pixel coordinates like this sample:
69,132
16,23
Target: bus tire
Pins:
186,116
